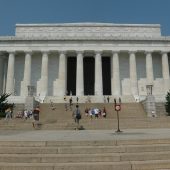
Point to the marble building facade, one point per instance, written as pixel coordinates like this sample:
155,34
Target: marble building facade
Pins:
83,59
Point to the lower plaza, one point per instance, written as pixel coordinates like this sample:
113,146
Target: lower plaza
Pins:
85,59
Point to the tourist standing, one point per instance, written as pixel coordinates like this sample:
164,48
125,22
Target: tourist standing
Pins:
104,112
36,112
8,113
71,102
77,116
104,99
25,114
65,103
108,99
77,100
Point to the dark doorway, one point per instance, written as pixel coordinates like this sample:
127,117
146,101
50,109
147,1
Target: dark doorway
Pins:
106,73
71,75
88,75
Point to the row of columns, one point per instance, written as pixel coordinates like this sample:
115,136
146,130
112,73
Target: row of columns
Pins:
80,80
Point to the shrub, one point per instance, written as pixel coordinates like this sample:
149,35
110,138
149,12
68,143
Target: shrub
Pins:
167,104
4,104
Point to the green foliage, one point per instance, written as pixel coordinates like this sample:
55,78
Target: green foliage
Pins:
167,104
4,104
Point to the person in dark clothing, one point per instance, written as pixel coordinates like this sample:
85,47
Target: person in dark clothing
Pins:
108,99
71,102
36,112
77,99
77,116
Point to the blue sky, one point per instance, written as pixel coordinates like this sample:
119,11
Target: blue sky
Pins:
61,11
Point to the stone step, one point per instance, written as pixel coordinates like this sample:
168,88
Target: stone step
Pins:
87,124
59,158
89,143
76,158
147,148
128,110
145,156
67,166
84,149
62,150
151,165
133,165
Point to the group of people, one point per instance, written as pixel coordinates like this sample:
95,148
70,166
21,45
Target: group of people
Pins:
106,99
95,112
70,104
32,114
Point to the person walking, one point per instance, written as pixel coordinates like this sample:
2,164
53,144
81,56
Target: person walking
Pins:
36,112
77,116
65,103
108,99
71,102
8,113
77,100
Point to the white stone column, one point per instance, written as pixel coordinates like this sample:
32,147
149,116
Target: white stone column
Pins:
1,72
44,74
116,75
165,71
79,75
60,83
10,73
149,68
27,74
133,73
5,74
98,74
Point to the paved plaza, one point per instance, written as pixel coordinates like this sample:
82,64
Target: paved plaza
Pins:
83,135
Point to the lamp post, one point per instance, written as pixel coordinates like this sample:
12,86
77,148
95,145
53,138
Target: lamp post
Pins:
117,109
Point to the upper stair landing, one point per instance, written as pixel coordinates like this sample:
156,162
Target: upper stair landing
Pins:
89,99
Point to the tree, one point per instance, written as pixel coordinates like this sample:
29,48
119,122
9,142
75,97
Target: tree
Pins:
167,104
4,104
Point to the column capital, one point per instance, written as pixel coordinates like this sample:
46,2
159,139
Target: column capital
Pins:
45,52
164,52
148,52
131,52
62,52
98,52
28,52
80,52
12,52
115,52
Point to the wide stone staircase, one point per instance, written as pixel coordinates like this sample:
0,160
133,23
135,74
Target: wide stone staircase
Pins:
132,116
125,151
143,154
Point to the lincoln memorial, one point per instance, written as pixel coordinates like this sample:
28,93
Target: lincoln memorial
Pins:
85,59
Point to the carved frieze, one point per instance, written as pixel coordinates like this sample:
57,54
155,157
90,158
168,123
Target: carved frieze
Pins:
87,31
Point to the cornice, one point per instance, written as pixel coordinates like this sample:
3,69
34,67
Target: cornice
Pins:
114,38
87,24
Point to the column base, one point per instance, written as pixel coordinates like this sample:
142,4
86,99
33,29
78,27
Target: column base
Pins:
59,88
24,89
166,85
